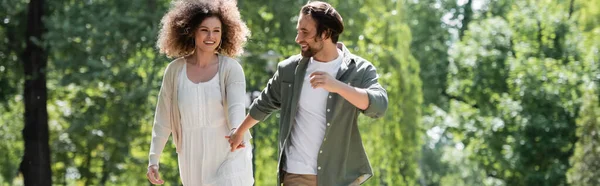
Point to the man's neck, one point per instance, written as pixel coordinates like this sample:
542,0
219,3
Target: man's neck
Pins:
327,54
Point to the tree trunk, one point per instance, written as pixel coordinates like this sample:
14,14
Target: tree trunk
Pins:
467,16
35,165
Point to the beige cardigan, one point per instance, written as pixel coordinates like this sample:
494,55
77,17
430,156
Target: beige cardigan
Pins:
166,118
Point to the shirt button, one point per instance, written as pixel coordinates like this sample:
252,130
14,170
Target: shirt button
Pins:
328,124
320,151
328,110
329,97
289,85
319,167
324,139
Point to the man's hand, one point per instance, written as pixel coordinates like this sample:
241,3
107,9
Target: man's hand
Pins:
236,139
323,80
153,175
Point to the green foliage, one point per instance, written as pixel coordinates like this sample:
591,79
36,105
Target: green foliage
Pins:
513,87
385,44
103,81
586,159
505,91
516,82
13,18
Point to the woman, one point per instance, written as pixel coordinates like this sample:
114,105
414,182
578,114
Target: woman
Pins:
202,94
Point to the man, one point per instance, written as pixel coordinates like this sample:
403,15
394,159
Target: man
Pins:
320,94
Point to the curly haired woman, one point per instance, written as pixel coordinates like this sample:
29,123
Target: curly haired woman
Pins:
202,96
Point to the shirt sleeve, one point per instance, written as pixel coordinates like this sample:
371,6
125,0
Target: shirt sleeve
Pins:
269,99
378,99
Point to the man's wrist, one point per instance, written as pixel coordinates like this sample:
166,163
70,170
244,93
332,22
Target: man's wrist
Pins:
240,131
342,87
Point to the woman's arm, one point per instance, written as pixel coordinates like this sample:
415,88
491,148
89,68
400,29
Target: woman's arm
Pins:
161,129
236,94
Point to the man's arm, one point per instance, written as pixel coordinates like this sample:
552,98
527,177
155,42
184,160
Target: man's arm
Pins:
357,96
237,137
377,95
268,101
372,100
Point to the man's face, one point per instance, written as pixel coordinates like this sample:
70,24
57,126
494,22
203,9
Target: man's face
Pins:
307,36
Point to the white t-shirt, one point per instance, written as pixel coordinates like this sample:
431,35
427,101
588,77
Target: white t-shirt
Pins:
309,129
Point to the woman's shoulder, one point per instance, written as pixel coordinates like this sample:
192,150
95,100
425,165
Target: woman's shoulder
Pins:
230,63
231,69
175,64
228,59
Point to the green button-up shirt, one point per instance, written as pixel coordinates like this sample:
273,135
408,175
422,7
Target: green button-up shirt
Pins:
342,160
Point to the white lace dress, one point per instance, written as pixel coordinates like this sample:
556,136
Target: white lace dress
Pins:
205,159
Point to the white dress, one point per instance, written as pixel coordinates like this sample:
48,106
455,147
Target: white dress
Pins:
204,147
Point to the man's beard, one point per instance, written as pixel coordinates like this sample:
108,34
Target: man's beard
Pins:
310,51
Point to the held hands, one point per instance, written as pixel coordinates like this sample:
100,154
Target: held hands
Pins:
153,175
236,139
323,80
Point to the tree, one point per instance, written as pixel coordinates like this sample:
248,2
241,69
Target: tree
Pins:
386,43
36,158
585,160
105,78
12,29
517,79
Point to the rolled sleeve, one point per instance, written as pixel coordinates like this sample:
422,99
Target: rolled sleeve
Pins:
378,99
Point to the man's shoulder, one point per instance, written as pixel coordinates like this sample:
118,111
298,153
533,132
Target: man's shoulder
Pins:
290,63
361,63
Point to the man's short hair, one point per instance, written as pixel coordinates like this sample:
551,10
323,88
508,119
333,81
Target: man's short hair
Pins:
327,18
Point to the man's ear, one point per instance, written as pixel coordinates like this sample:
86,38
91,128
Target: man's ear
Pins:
325,35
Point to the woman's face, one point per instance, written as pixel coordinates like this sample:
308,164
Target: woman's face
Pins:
208,34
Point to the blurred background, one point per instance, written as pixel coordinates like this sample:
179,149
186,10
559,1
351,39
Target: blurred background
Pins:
482,92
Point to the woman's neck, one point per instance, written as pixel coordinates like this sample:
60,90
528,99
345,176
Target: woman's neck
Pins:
204,59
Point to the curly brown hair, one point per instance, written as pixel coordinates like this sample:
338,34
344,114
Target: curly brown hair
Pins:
176,36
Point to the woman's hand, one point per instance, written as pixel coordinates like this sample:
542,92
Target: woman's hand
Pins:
153,175
236,139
